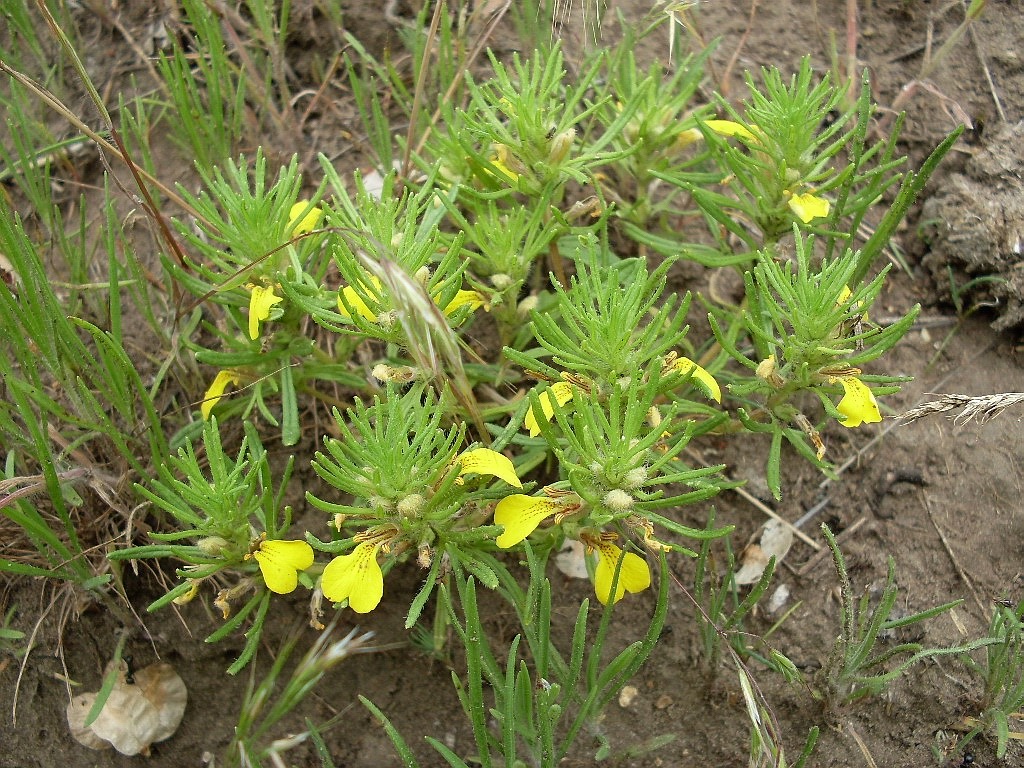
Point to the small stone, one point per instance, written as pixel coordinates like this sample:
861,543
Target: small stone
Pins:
664,702
627,695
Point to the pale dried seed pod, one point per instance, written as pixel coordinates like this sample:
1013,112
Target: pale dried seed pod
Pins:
136,714
78,709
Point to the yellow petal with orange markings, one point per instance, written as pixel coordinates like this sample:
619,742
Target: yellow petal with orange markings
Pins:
520,515
216,391
280,563
808,207
484,461
704,380
562,391
858,405
634,575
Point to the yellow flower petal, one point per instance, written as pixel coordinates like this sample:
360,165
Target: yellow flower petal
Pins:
520,515
260,302
634,575
484,461
858,405
688,137
356,576
500,161
473,299
562,390
280,563
730,128
309,221
704,380
844,296
370,287
216,391
808,207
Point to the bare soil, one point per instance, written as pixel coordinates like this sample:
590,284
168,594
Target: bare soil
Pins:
943,500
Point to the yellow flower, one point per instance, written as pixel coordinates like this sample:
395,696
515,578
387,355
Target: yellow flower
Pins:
260,302
562,392
484,461
844,296
704,380
808,207
500,161
371,287
216,391
473,299
730,128
634,575
356,576
721,127
309,221
520,515
858,405
280,562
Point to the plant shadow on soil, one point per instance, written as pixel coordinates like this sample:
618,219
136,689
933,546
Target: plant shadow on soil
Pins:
945,501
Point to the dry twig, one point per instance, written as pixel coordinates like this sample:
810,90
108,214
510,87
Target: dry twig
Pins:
982,407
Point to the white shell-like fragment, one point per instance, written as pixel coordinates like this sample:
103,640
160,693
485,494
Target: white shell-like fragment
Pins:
572,560
778,599
776,540
136,714
78,710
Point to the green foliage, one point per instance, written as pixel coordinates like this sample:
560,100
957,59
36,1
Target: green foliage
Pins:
721,610
1002,671
537,228
406,476
267,702
206,95
11,639
220,510
101,407
765,743
857,667
809,332
541,709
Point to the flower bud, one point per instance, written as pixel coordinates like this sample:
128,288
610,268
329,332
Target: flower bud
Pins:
618,501
387,320
559,146
501,281
401,374
526,306
767,370
212,545
411,504
635,477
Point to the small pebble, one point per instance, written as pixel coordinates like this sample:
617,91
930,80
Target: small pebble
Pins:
778,598
627,695
664,702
